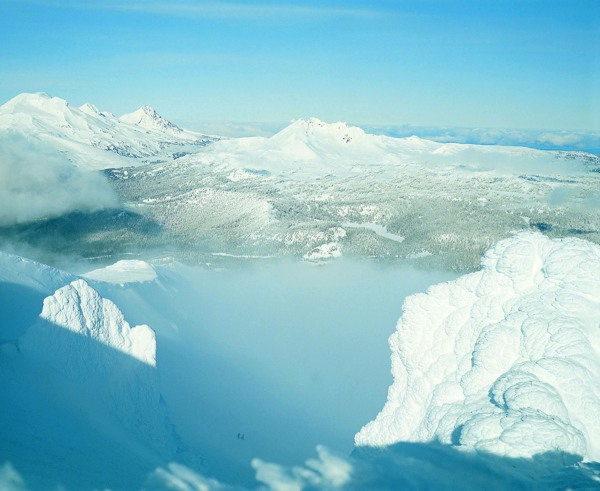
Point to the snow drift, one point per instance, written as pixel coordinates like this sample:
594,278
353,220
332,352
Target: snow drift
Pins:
505,360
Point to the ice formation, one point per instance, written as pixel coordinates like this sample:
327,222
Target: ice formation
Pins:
79,309
505,360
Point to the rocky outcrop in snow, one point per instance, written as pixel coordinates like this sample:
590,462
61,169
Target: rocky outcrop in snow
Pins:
505,360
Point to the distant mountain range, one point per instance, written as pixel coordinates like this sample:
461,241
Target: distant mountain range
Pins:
91,138
314,190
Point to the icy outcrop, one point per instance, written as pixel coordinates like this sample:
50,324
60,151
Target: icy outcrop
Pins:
505,360
79,309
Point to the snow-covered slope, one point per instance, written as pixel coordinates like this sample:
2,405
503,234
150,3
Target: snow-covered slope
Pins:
505,360
79,388
249,198
93,139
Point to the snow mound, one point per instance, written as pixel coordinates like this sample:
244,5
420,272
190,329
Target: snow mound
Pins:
125,271
147,117
505,360
80,309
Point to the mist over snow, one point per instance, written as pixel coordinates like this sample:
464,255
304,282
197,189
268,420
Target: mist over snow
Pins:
494,374
290,344
37,182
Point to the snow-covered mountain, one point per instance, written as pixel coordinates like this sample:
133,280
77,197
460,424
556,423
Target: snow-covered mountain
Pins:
311,148
148,118
314,190
309,193
495,373
93,139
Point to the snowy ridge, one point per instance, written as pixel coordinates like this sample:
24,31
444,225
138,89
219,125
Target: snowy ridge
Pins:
27,273
91,138
505,360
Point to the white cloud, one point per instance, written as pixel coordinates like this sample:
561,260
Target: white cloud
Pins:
542,139
560,139
36,182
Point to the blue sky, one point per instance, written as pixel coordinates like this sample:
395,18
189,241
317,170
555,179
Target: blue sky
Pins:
474,63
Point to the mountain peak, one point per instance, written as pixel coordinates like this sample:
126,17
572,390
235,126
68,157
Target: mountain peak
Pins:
90,109
147,117
315,129
35,101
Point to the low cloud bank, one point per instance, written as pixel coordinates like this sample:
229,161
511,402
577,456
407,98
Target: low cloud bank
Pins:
37,182
540,139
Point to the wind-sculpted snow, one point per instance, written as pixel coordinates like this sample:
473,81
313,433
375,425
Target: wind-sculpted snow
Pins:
80,391
505,360
80,309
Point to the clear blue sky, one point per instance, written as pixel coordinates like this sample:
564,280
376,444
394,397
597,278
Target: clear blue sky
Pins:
500,63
